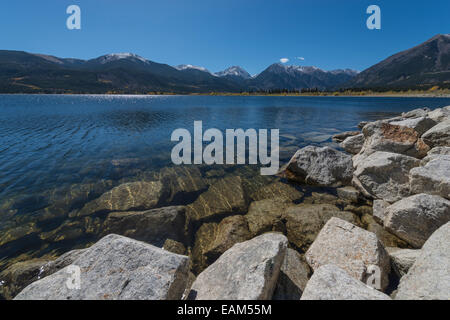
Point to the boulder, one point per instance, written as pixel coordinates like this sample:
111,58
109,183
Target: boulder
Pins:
386,238
429,277
320,167
349,193
223,197
116,268
353,144
419,112
182,184
330,282
415,218
420,125
174,247
402,259
440,114
294,275
204,236
433,177
384,175
304,222
387,137
351,248
152,226
362,124
266,215
277,190
19,275
132,196
439,135
61,262
229,231
344,135
379,210
247,271
439,151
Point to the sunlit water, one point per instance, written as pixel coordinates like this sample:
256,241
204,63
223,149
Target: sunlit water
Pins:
48,144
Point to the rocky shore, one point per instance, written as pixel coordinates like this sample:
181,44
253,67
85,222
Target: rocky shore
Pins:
369,222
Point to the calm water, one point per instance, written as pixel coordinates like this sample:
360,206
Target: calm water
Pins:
48,144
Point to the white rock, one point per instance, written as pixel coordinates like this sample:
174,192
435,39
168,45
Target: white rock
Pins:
247,271
353,144
439,135
415,218
402,259
330,282
379,210
384,175
429,277
433,177
351,248
116,268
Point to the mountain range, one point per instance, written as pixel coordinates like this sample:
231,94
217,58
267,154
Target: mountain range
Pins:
423,66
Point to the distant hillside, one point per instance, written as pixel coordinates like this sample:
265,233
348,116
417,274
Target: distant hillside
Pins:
421,67
425,65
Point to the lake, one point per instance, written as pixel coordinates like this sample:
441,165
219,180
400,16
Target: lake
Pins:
59,152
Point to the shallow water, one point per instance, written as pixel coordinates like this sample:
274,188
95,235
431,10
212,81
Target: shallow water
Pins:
54,148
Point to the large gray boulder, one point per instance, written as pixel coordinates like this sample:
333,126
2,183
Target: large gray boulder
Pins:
294,275
320,167
402,259
247,271
420,125
429,277
415,113
116,268
330,282
379,210
396,138
433,177
351,248
353,144
415,218
152,226
439,135
440,114
385,175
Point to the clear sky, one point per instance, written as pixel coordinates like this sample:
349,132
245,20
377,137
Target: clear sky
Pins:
329,34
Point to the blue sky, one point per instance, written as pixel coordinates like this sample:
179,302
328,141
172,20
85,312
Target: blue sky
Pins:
329,34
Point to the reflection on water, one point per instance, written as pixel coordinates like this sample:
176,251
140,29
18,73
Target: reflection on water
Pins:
58,153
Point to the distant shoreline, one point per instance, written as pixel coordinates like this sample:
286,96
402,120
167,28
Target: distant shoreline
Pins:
440,94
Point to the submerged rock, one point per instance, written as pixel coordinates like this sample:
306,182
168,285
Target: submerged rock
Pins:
330,282
351,248
320,167
304,222
349,193
415,218
224,197
429,277
247,271
277,190
384,175
174,247
152,226
386,238
19,275
266,215
294,275
126,197
117,268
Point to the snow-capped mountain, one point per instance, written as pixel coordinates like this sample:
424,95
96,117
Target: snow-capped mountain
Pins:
120,56
182,67
234,71
300,77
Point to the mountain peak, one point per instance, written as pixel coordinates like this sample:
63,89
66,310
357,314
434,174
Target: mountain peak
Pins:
234,71
182,67
120,56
